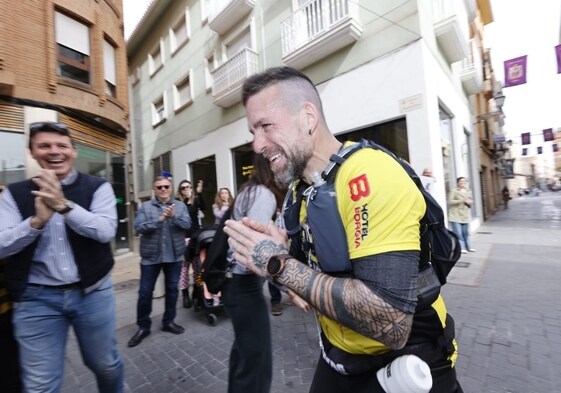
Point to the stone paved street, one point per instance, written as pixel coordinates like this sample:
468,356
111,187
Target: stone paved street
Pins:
504,298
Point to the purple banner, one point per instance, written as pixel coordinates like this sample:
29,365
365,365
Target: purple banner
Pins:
515,71
558,54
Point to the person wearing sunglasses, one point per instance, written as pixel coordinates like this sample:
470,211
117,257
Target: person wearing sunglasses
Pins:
55,232
161,222
193,199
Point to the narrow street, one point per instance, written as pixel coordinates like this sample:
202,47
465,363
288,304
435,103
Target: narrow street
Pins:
504,298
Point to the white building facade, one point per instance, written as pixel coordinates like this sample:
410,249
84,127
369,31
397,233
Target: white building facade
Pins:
395,74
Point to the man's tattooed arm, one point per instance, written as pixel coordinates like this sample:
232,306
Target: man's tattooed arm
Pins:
349,302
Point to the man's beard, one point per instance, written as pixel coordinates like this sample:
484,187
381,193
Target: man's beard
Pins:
294,168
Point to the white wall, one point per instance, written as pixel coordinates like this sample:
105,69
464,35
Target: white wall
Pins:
368,95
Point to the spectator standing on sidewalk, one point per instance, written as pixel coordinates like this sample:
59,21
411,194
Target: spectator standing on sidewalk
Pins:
162,222
195,203
428,180
222,203
55,231
460,202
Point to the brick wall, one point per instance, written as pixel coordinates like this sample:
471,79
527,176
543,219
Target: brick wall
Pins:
28,52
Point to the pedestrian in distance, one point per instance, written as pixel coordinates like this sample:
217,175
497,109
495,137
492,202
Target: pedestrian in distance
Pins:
460,201
55,231
222,202
506,196
428,180
195,203
161,222
366,305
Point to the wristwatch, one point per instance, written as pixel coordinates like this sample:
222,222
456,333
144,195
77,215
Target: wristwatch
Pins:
275,265
68,206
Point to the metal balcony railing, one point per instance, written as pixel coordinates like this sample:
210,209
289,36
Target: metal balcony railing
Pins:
313,19
234,71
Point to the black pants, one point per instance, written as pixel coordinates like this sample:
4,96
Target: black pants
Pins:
327,380
251,359
10,380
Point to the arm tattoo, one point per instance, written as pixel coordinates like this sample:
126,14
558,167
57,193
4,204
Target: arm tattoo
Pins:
349,302
264,250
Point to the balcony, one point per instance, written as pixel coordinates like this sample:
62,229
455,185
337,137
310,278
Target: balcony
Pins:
451,30
225,14
471,74
317,29
228,78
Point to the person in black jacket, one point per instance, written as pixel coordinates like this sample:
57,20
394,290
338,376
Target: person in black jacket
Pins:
195,206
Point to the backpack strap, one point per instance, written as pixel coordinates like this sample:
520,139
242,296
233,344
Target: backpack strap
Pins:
338,159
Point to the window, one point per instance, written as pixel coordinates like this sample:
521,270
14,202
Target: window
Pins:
161,164
238,42
159,112
182,93
179,34
155,59
12,153
109,69
210,65
73,48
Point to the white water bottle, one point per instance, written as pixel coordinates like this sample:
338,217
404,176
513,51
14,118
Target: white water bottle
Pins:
405,374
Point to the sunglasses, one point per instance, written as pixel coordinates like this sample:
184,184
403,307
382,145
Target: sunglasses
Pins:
163,187
185,187
47,126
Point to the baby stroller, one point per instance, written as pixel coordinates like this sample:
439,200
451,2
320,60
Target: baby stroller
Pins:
202,298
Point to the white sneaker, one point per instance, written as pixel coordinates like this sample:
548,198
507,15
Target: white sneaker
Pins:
464,252
472,250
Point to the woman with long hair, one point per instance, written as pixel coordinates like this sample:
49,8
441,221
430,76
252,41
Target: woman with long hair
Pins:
193,199
251,363
222,203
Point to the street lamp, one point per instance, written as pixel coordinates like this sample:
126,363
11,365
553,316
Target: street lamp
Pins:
503,159
499,101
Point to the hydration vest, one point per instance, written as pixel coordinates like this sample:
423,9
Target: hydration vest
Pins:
439,247
318,236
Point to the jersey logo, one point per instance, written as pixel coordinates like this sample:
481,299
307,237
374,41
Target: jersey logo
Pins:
361,224
359,187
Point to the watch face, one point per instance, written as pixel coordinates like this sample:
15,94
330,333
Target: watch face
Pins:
274,265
